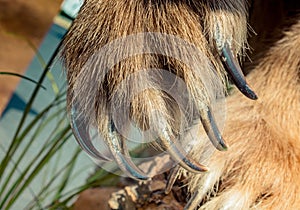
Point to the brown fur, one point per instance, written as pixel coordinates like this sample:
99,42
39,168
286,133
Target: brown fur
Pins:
101,22
261,168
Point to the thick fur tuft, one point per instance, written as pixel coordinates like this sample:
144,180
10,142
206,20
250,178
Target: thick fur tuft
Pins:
106,75
200,24
261,169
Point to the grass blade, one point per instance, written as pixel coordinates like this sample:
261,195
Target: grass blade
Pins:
22,76
14,145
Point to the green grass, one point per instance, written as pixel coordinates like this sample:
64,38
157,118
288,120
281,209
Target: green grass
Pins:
55,192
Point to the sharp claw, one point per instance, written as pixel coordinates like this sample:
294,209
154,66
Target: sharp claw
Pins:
80,131
233,68
178,154
211,129
122,157
171,179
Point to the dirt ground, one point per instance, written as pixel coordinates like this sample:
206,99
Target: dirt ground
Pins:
21,22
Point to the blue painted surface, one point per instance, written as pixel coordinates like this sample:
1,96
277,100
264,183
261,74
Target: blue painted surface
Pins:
16,102
13,113
35,69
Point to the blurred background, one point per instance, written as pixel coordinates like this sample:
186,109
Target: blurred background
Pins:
23,24
41,165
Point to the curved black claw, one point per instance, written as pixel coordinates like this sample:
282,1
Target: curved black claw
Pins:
120,152
82,136
211,129
178,154
233,68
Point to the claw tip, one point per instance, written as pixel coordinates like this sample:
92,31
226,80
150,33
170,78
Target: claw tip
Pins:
249,92
224,147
